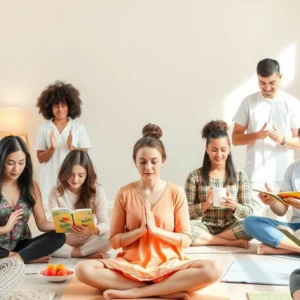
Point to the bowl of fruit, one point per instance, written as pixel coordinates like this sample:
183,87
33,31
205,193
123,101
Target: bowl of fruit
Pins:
56,273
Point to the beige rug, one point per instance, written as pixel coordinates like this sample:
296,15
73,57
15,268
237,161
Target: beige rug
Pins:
253,245
269,296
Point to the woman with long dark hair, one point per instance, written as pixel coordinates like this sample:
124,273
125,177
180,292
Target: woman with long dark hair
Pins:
78,188
220,224
19,197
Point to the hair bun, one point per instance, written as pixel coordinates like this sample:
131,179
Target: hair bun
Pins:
152,130
214,125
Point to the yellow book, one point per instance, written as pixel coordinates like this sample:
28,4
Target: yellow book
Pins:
280,196
64,218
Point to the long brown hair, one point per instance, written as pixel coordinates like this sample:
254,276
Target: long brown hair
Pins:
88,188
151,138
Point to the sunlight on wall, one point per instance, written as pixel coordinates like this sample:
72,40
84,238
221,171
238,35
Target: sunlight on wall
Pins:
287,60
233,101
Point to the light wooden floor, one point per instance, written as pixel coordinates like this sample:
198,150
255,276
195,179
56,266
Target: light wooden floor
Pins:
220,289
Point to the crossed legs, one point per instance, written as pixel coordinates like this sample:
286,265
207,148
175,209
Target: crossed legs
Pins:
116,286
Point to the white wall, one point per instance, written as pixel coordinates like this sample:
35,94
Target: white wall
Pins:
175,63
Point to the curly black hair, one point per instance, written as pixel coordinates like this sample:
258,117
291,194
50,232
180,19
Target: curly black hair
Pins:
213,127
59,92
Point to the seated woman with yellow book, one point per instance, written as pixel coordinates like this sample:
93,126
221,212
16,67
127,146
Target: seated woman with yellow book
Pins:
74,202
65,218
279,237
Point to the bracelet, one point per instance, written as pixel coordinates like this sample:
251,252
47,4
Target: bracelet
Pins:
283,141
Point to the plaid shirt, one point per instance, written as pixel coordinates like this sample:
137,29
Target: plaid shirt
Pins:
217,216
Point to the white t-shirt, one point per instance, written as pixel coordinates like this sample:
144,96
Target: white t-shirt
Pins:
49,170
68,200
266,160
291,182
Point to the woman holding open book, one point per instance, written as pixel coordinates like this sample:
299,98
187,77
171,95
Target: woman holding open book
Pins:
218,194
150,222
278,237
78,189
20,197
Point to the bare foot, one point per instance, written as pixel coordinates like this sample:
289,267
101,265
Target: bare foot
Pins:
16,255
242,244
125,294
98,255
265,249
12,254
40,260
181,295
135,293
238,243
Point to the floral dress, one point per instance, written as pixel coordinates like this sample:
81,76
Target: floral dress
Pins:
21,229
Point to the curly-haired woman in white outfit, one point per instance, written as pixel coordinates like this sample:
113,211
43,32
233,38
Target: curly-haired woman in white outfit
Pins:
60,104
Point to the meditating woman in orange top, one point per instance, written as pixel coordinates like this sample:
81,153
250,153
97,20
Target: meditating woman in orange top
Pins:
150,222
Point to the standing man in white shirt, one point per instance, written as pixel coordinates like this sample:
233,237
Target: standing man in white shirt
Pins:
267,122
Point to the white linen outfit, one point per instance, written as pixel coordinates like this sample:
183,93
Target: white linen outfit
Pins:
49,170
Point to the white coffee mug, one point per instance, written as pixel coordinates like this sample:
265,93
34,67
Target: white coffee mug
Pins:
218,194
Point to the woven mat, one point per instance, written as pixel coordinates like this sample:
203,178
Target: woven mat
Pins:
253,245
41,294
269,296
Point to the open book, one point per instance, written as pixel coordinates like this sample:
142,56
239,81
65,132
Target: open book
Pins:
280,196
290,233
64,218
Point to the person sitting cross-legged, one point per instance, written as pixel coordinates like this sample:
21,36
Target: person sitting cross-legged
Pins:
266,230
213,223
150,222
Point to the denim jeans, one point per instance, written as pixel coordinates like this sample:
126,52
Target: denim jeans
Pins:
265,229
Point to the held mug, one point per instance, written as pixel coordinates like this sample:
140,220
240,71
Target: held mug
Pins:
218,194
